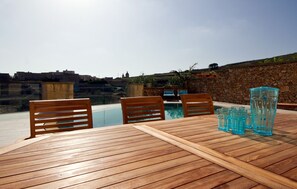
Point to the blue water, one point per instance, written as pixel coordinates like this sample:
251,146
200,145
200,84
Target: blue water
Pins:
112,115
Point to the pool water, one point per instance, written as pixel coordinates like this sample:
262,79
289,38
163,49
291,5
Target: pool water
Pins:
112,115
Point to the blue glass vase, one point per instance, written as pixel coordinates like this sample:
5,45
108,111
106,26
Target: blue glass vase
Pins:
263,103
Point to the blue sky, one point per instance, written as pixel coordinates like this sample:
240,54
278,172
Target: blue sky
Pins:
109,37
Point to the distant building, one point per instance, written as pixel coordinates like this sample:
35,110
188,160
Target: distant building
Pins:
4,77
27,76
67,71
108,78
118,82
87,78
65,76
127,74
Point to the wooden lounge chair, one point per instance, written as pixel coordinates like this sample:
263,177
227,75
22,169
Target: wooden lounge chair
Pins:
197,104
141,109
181,92
49,116
169,95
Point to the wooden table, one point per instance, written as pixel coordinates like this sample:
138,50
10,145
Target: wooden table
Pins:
181,153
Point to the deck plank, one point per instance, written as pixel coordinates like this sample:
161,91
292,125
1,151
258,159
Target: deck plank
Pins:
212,180
168,173
96,180
100,168
242,183
184,178
45,163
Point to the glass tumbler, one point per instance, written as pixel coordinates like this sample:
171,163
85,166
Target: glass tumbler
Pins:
238,121
263,102
222,114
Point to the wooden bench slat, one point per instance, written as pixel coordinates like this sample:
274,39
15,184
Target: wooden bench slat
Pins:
45,114
140,109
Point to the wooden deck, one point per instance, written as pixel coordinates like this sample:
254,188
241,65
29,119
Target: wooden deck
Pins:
181,153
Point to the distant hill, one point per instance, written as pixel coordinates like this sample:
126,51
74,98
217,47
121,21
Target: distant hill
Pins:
288,58
282,59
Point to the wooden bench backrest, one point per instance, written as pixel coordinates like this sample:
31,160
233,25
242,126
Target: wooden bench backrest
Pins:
141,109
197,104
48,116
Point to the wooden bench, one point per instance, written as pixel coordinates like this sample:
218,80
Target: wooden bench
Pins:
49,116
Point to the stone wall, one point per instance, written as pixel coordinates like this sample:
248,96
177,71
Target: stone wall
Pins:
153,91
232,84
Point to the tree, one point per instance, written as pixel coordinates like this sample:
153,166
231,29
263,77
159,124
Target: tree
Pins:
182,78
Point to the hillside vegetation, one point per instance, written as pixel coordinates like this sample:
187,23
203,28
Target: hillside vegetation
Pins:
288,58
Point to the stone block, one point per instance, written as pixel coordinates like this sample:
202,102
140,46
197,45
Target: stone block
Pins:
284,89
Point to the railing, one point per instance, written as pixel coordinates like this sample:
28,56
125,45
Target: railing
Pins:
15,97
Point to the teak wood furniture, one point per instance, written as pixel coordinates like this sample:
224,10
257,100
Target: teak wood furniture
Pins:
49,116
197,104
181,153
142,108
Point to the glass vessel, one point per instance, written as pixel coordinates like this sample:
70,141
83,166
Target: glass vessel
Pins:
263,102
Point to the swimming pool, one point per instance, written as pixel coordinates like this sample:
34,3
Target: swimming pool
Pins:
112,114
